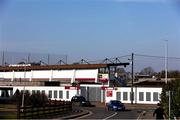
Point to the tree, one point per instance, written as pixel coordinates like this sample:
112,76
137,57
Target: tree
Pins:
21,63
171,74
35,99
174,74
17,97
174,89
121,70
147,71
38,99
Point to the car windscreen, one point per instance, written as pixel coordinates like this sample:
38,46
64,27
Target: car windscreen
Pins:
116,102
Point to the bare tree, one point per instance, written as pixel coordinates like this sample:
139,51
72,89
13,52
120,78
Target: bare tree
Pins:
147,71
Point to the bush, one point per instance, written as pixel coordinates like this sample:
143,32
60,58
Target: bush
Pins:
174,87
35,99
17,97
38,99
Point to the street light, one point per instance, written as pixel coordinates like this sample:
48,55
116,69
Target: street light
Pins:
166,75
166,61
24,84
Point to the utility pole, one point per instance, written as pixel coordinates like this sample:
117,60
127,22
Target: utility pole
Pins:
132,74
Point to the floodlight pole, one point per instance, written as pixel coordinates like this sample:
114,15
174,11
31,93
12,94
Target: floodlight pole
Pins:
166,61
166,75
24,85
132,74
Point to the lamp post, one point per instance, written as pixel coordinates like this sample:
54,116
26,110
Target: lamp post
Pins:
24,84
166,76
166,61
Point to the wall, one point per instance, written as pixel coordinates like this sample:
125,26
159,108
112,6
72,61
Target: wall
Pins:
72,91
50,74
142,95
152,97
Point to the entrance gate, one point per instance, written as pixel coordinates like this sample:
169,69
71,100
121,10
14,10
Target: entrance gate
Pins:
91,93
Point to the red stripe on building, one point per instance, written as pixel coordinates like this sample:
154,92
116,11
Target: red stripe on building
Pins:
103,88
85,79
103,79
72,88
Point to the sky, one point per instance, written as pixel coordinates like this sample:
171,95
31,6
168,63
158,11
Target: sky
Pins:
90,29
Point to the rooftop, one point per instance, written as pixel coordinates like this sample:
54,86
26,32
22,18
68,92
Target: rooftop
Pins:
59,67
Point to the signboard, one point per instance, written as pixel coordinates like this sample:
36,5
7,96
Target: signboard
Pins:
109,93
103,77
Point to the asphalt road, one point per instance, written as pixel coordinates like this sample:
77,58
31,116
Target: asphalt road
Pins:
102,113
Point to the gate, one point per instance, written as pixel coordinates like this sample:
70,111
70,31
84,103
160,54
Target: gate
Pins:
95,94
91,93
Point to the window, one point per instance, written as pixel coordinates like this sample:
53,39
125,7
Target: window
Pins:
60,94
141,96
148,96
11,92
43,92
38,91
55,94
33,91
67,94
50,94
125,95
155,96
118,95
26,91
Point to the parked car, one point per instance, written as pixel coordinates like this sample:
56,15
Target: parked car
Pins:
78,99
81,101
115,105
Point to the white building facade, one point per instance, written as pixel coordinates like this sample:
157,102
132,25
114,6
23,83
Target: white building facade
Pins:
92,84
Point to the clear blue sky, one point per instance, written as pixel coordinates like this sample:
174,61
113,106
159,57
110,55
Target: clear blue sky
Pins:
90,29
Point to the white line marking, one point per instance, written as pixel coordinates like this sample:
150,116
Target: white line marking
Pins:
139,117
110,116
90,113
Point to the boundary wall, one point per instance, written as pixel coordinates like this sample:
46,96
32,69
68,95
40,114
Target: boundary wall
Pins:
142,95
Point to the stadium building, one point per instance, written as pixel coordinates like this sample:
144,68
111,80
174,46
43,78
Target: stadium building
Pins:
96,82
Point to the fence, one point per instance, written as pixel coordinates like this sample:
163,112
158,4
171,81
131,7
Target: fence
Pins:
7,58
53,108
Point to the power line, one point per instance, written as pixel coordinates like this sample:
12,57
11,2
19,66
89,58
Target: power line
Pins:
156,56
121,56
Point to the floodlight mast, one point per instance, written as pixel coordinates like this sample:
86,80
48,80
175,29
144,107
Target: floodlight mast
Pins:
166,75
23,94
166,61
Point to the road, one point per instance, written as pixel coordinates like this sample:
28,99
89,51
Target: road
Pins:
102,113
